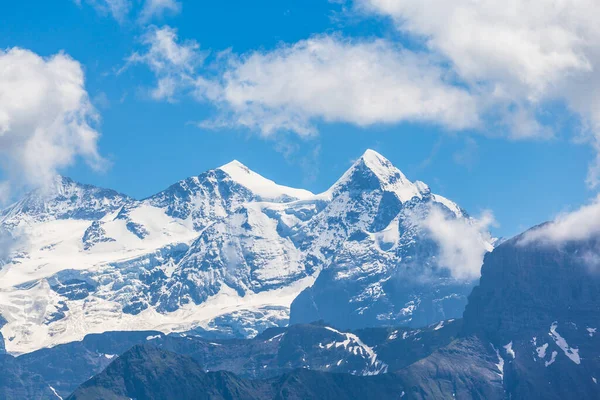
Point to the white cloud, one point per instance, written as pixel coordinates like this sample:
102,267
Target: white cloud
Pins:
520,46
463,243
45,117
578,225
519,55
172,63
325,78
157,8
498,62
330,79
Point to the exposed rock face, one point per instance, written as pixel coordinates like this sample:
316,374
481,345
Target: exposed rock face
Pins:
465,369
539,303
527,286
17,382
529,329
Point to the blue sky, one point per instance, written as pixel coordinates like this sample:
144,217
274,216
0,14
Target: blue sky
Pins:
150,143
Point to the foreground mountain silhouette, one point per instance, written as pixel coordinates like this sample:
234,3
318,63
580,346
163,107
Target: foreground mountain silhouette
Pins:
145,372
275,352
226,253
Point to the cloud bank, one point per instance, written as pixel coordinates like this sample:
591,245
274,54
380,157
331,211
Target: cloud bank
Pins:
46,118
328,78
482,65
519,55
325,78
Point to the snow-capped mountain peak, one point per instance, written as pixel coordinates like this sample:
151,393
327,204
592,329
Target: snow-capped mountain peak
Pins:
226,249
262,187
64,198
373,171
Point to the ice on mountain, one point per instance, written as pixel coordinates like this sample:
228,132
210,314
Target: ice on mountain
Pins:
500,364
264,188
225,250
572,353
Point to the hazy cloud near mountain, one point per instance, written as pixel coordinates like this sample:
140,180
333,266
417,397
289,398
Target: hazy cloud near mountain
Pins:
581,224
463,242
46,118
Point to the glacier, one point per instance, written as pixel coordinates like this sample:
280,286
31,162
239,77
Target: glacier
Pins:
227,252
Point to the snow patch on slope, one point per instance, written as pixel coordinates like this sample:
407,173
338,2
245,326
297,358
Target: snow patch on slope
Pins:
570,352
355,345
27,332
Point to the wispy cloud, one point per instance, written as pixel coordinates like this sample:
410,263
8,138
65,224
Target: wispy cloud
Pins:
118,9
468,155
325,78
124,10
173,62
158,8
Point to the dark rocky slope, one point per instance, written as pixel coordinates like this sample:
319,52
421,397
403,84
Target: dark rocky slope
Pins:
529,329
146,372
275,352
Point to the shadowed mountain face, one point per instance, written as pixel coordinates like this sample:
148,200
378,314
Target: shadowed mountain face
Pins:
539,304
17,382
527,286
529,329
146,372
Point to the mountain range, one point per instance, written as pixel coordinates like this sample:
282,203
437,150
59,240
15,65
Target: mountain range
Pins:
228,254
228,285
529,332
